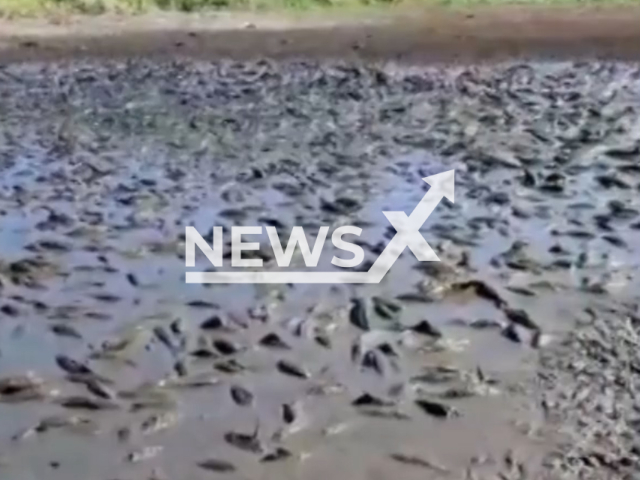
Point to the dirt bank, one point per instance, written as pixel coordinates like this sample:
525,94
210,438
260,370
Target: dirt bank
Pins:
435,35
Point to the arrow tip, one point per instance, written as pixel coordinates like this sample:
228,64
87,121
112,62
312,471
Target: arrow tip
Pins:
444,182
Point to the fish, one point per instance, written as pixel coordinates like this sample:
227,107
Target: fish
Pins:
241,396
358,314
291,369
217,465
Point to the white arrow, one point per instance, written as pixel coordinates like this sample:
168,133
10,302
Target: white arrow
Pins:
408,235
408,228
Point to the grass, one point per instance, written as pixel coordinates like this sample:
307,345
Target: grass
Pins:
40,8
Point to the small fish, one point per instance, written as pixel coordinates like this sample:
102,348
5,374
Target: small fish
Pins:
483,290
72,366
241,396
323,341
202,304
79,402
272,340
162,336
203,353
180,367
246,442
63,330
291,369
100,390
278,454
229,366
358,314
385,308
418,462
520,317
425,327
366,399
435,409
177,327
225,347
370,360
216,465
133,280
212,323
288,414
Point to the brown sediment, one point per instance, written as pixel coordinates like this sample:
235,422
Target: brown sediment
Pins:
488,33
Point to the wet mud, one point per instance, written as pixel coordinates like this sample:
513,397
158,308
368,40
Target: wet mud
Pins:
112,367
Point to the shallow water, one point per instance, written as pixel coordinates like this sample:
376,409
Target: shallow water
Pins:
109,162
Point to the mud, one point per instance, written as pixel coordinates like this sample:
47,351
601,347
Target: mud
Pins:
112,367
407,35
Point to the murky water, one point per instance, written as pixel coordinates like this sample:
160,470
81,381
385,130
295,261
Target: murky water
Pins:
103,165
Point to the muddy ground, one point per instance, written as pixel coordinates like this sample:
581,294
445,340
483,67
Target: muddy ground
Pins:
515,357
406,35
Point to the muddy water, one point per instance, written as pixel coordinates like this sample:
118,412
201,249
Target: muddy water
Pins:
103,165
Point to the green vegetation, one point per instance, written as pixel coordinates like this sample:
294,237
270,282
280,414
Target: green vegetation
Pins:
29,8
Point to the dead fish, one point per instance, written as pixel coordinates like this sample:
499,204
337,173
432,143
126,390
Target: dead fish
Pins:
100,390
511,332
216,465
358,314
225,347
323,340
277,455
84,403
385,308
143,454
418,462
180,367
520,317
63,330
436,409
177,326
368,400
387,350
425,327
483,290
288,414
246,442
370,360
212,323
202,304
241,396
273,340
204,353
72,366
133,280
106,297
87,377
163,337
291,369
231,366
19,384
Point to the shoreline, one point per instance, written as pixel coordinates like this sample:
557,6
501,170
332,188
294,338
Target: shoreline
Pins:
418,36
